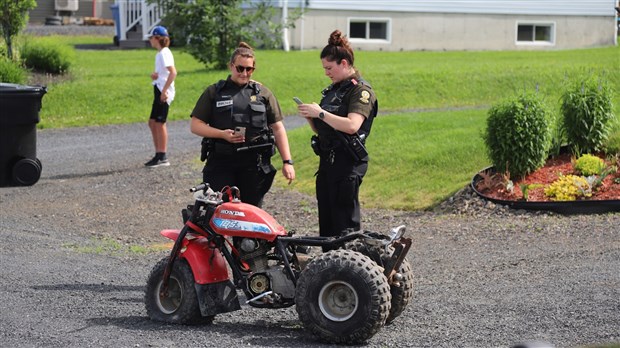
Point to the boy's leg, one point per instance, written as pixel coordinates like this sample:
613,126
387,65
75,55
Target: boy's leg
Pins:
159,131
160,136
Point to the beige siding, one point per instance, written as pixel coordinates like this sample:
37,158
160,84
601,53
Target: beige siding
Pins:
435,31
528,7
45,8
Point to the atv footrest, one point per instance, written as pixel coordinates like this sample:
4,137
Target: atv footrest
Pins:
216,298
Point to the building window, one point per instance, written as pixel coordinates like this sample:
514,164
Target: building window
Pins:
535,33
369,29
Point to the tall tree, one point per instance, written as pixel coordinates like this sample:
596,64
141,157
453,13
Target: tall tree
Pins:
13,18
211,29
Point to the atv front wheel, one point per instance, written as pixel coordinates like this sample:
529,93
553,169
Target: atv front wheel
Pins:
180,304
401,294
343,297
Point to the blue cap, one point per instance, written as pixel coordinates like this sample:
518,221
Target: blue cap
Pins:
159,31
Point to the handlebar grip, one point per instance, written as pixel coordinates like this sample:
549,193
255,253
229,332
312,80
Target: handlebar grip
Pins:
202,186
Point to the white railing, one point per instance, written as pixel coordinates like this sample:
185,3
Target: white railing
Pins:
137,12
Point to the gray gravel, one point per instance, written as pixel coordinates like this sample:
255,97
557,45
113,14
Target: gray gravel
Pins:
485,276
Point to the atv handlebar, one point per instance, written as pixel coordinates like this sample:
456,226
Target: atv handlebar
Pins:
200,187
397,232
204,193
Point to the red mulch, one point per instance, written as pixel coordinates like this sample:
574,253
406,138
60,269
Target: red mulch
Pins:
547,175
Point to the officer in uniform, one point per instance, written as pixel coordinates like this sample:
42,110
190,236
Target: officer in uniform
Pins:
342,122
240,122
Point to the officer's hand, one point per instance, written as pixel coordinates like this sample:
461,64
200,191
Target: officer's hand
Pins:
309,110
289,172
232,137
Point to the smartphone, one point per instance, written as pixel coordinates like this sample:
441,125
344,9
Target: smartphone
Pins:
297,100
240,130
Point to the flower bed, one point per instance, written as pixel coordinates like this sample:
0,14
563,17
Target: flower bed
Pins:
493,186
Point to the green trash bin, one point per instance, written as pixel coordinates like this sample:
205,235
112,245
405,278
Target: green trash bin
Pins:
19,115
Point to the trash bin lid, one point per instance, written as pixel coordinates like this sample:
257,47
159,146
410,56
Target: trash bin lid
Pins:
12,88
20,104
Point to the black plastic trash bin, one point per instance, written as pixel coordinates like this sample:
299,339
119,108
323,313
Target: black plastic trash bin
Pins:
19,115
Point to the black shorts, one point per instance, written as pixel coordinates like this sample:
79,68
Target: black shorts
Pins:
159,111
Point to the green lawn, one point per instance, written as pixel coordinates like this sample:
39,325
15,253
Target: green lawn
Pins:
426,143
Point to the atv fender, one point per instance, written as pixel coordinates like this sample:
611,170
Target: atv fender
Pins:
207,263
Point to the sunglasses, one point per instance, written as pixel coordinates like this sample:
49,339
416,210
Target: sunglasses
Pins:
240,68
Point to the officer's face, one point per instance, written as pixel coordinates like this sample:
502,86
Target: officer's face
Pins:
241,70
337,71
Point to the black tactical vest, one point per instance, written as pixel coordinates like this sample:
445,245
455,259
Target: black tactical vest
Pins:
240,106
332,102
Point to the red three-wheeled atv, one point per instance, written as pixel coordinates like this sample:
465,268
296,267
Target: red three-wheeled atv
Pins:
344,295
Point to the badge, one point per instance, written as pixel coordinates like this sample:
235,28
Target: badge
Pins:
252,98
364,97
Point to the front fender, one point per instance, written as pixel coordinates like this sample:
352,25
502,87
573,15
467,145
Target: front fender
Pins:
207,263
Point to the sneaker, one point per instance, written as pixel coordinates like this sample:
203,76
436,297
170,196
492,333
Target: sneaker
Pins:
156,162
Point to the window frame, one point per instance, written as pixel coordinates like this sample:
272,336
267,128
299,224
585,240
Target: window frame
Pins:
368,20
552,33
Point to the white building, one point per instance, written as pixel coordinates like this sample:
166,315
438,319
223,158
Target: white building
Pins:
403,25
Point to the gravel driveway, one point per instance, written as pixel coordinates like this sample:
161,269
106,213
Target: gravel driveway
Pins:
73,267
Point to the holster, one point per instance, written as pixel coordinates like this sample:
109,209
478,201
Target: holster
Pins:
315,143
207,146
354,146
357,148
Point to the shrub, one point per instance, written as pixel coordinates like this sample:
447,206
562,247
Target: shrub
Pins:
11,72
587,112
3,50
589,165
47,57
558,135
612,146
517,135
568,188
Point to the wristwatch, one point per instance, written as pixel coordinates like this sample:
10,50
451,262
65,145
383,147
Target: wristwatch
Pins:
321,115
288,162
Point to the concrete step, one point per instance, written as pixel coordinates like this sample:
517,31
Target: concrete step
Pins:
135,39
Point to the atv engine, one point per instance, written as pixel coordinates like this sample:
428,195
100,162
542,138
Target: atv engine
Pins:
267,275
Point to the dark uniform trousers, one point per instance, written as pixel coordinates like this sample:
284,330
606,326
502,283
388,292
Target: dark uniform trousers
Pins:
243,171
338,195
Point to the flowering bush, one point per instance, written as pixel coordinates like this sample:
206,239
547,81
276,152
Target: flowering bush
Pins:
568,188
589,165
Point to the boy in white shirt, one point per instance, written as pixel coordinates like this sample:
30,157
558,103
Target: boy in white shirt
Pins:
163,86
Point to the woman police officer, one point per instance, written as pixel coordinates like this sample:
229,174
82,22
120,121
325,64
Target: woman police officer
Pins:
342,121
240,119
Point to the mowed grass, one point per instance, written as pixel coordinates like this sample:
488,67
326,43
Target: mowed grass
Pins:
114,86
417,159
426,143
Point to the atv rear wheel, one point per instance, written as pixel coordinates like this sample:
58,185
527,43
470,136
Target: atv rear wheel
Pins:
180,306
343,297
401,294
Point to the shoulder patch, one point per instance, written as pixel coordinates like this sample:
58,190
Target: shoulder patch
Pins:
365,96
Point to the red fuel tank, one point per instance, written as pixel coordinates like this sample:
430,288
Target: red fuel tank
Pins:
239,219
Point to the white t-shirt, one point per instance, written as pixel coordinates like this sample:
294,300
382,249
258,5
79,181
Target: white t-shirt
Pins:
163,60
